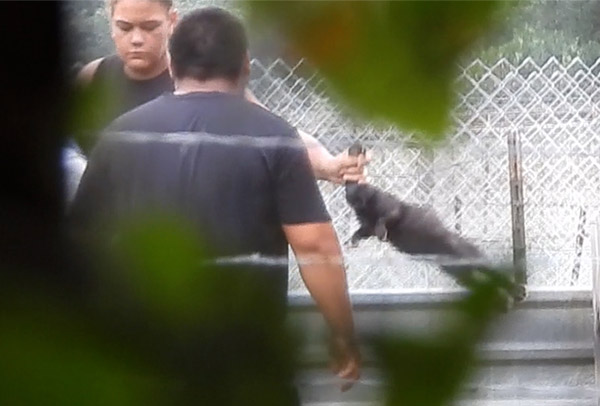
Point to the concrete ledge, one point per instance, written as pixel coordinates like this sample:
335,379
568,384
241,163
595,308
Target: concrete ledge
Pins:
515,402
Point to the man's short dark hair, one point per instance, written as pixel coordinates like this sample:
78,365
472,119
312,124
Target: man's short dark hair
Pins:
208,43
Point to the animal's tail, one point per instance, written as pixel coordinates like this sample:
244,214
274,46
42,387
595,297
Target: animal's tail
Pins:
470,272
467,265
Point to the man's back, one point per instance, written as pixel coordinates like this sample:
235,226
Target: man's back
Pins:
232,169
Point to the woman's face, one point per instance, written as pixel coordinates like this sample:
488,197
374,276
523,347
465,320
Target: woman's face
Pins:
140,31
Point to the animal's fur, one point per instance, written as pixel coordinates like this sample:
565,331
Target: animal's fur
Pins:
414,230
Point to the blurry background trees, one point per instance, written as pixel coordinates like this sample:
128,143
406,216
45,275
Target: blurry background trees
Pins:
541,29
538,28
422,77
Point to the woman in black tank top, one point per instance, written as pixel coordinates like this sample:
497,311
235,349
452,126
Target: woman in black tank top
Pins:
129,93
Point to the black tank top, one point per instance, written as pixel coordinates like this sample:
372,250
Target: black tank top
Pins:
128,93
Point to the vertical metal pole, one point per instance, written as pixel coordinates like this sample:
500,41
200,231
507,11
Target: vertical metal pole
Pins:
517,206
595,240
579,240
457,214
487,199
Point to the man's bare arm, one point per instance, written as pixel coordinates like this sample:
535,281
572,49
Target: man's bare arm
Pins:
333,168
320,260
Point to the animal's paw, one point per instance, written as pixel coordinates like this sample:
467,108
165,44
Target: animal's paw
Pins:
505,291
352,242
519,292
512,295
381,233
505,301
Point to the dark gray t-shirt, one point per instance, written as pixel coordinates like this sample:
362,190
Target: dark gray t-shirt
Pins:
234,170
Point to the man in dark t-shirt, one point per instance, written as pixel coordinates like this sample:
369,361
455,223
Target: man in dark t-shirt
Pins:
238,173
235,170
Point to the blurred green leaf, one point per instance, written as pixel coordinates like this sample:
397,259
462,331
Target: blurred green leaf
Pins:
91,108
390,60
159,260
51,356
422,372
238,349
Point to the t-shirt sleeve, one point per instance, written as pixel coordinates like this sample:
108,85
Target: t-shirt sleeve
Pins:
298,197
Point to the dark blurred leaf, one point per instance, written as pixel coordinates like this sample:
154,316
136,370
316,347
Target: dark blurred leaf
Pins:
422,372
430,370
219,328
164,326
391,60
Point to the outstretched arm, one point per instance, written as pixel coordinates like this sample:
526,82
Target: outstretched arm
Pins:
334,168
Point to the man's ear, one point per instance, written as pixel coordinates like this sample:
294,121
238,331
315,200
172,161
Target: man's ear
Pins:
246,66
244,74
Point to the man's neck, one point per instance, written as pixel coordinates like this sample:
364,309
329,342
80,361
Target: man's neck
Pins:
190,85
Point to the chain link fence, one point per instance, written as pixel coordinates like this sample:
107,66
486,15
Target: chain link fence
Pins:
553,107
554,110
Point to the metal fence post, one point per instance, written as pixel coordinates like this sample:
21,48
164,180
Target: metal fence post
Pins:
517,206
595,240
579,241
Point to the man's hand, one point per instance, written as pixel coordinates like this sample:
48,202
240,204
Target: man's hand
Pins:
345,360
337,169
344,168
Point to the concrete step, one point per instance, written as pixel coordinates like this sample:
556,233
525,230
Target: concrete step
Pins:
540,353
544,381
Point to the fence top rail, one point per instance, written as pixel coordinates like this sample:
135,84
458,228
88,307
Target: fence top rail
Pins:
549,297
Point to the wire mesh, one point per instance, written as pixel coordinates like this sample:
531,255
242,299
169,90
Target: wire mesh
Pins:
553,107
